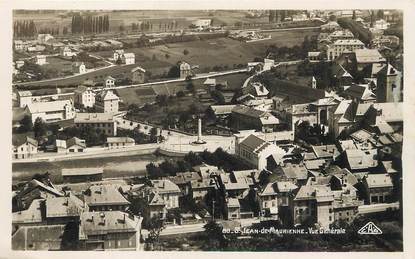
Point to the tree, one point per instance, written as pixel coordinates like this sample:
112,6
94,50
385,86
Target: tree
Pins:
189,85
39,128
214,235
153,134
155,225
26,124
174,71
185,52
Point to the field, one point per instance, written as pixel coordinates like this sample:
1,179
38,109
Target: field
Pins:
183,18
209,53
140,95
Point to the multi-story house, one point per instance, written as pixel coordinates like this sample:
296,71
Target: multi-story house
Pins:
52,111
107,102
105,198
343,46
259,153
24,147
313,204
274,199
84,97
103,121
109,230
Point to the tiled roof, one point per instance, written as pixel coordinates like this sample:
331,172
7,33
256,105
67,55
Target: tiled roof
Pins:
165,186
48,237
368,56
378,180
104,195
31,215
253,142
294,171
94,118
18,140
105,222
233,202
40,107
325,151
68,206
75,141
314,164
222,109
358,159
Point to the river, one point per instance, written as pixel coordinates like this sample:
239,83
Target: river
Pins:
113,167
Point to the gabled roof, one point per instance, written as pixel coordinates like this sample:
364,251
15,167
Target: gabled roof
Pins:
75,141
378,180
104,195
314,164
31,215
222,109
368,56
18,140
165,186
40,107
68,206
277,187
233,202
138,69
358,159
359,91
294,171
325,151
33,184
104,222
319,193
93,118
45,237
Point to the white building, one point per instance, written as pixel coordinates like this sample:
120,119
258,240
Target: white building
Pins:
19,63
109,82
259,153
202,23
118,54
40,60
79,68
66,52
43,38
24,147
120,142
343,46
185,70
84,97
51,111
107,101
103,122
138,75
24,98
268,64
381,24
128,58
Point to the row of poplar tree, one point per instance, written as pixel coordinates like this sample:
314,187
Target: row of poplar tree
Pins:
90,24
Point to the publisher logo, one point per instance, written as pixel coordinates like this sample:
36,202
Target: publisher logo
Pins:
369,229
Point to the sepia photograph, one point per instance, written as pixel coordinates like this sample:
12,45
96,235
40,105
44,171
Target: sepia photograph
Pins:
262,130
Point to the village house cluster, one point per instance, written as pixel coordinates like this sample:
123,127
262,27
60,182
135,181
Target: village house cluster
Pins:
311,157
